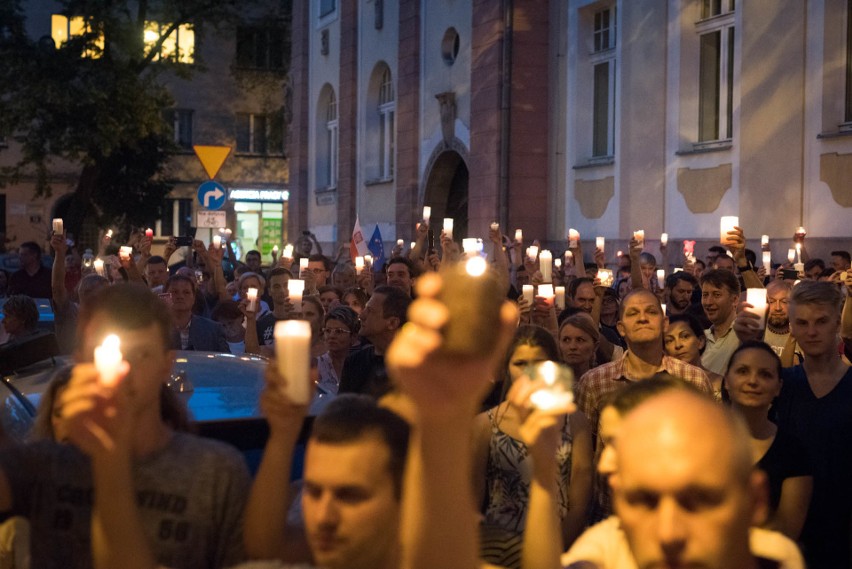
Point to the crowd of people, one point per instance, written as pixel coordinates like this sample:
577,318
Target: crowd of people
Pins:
703,430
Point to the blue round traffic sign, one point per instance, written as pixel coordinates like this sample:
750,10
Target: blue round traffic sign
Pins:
212,195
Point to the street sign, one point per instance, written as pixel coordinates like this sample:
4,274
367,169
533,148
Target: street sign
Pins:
211,219
212,195
212,157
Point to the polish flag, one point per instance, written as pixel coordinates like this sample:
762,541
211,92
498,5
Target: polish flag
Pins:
357,245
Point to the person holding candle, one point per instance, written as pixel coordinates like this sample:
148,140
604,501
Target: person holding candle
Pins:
841,260
126,440
777,330
720,291
156,272
260,329
320,266
192,332
501,459
752,383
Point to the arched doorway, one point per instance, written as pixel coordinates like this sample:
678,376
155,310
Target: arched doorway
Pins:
447,192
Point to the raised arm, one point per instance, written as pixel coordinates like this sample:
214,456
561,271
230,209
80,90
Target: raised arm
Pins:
736,243
57,273
636,281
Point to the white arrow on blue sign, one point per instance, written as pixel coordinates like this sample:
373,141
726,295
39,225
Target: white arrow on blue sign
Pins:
212,195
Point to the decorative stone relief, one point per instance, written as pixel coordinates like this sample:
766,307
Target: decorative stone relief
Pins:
447,100
594,196
836,171
704,188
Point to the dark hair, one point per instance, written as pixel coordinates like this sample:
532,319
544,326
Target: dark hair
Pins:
277,272
571,291
326,263
637,392
700,262
751,256
34,248
815,263
395,304
24,308
349,418
404,261
718,249
567,312
130,306
529,335
177,279
755,345
155,260
42,428
676,277
88,285
721,278
331,288
358,293
843,255
345,316
226,310
254,252
693,323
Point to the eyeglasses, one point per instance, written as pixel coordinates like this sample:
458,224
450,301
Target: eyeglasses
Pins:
336,331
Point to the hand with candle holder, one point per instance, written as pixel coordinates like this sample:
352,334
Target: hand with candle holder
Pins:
747,325
450,252
600,258
544,314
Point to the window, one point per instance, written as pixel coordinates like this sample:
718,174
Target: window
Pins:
260,134
180,121
331,127
327,7
325,145
603,82
175,218
387,108
63,28
179,45
848,110
261,48
716,70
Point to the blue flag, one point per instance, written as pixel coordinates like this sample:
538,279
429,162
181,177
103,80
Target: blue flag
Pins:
377,249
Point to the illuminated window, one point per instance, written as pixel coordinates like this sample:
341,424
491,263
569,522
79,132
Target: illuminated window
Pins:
178,46
63,28
716,70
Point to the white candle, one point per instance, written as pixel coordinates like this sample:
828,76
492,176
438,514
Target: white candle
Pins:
573,238
619,253
799,252
545,265
558,262
296,288
767,261
495,226
600,243
448,227
546,291
469,245
108,360
149,233
288,251
359,265
58,226
726,224
217,241
125,252
639,235
661,276
605,276
368,260
569,257
109,234
532,252
663,306
99,266
519,235
560,297
251,295
800,232
764,240
791,255
303,264
664,239
527,291
427,214
757,298
400,243
293,354
275,249
412,245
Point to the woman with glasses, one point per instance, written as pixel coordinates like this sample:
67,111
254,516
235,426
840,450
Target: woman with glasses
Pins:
340,332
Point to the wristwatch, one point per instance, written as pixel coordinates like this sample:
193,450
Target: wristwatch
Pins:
748,267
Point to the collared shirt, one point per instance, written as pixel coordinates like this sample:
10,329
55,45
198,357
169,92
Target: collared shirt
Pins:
719,349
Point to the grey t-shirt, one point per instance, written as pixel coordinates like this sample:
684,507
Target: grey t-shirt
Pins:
191,496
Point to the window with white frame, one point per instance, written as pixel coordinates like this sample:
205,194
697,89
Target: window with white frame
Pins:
387,114
716,70
260,133
332,141
603,81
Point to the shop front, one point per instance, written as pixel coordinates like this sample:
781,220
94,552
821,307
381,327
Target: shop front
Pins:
261,218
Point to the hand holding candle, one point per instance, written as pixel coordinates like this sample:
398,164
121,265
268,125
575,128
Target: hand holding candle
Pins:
726,224
664,239
251,296
757,298
293,356
108,360
217,241
427,214
359,265
448,227
600,243
58,226
149,233
573,238
556,386
528,293
639,235
99,267
296,288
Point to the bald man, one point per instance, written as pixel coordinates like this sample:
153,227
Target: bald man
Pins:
685,489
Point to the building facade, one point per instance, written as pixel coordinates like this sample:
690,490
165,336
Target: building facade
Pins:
606,116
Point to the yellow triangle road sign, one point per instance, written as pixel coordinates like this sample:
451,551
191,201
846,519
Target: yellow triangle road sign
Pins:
212,158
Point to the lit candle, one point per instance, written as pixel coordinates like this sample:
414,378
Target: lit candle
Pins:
639,235
678,269
469,245
400,243
519,235
448,227
293,354
757,298
600,243
799,252
108,360
125,252
495,226
99,266
664,239
560,297
149,233
217,241
275,249
427,214
767,261
359,265
303,264
58,226
296,288
569,257
545,265
800,233
546,291
726,224
661,276
764,241
573,238
251,295
556,390
558,262
109,234
413,244
288,251
619,253
605,276
791,255
532,253
368,260
528,291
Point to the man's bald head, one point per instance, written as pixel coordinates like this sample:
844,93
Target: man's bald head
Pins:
685,488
